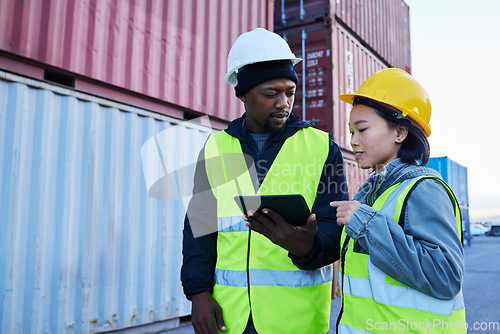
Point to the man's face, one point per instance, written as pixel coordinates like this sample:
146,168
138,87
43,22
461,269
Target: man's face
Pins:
269,105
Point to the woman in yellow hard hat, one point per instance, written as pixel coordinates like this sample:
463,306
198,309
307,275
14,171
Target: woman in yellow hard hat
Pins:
402,261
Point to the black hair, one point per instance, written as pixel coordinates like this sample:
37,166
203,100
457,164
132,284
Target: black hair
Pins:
415,147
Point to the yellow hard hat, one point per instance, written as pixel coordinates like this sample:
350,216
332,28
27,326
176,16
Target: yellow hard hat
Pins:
398,89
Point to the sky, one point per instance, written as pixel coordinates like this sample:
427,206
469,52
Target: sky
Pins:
456,57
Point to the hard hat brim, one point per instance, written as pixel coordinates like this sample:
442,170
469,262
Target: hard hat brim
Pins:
426,129
347,98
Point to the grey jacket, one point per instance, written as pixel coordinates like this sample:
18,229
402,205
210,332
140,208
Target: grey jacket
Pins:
428,254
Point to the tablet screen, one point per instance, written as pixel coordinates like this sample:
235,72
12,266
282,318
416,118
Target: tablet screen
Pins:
293,208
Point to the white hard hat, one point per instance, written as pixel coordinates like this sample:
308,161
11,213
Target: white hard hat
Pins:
258,45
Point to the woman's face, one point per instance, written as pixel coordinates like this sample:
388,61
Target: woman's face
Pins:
373,142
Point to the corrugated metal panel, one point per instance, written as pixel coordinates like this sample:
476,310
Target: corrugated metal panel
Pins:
454,174
381,25
335,63
317,64
291,13
172,50
352,64
83,247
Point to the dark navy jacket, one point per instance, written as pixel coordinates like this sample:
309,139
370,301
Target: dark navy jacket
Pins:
199,254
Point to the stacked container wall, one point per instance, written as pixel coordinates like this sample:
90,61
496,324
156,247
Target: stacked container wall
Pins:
383,26
291,13
335,63
316,67
83,247
353,64
173,51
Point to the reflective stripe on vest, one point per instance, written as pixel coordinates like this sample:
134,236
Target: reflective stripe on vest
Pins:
396,295
301,296
231,224
292,278
385,300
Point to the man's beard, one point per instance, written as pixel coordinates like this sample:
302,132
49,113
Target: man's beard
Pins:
272,130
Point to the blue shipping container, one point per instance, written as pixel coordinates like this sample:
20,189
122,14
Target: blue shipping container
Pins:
464,211
455,175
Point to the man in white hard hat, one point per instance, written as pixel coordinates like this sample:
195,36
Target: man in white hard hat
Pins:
257,273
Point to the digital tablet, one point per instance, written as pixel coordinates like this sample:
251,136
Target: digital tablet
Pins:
293,208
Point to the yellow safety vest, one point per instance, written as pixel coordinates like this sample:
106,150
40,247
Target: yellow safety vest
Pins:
373,302
252,274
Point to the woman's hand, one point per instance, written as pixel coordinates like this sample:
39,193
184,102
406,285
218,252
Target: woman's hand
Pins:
345,210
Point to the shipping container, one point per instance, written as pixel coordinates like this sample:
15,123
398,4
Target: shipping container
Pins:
455,175
467,236
334,63
83,247
171,51
382,26
292,13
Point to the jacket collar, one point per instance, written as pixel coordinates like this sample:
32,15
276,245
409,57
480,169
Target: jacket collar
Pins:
394,172
239,130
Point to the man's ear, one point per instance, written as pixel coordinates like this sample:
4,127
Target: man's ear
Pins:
243,98
401,133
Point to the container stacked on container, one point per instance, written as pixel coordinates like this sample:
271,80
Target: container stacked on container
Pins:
456,176
83,85
172,52
342,43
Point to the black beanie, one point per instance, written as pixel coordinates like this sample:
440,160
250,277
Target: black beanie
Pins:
254,74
